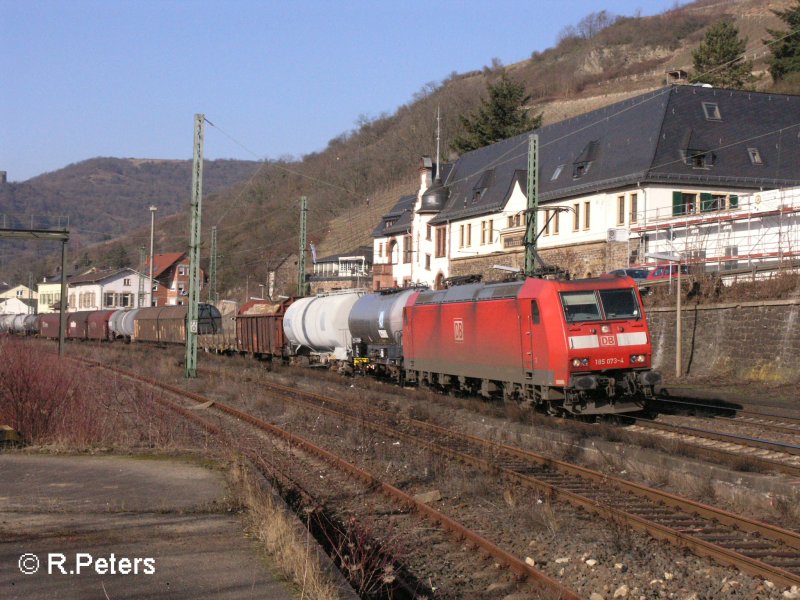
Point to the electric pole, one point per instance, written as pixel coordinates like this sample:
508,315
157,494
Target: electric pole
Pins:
212,269
533,205
140,297
301,261
194,249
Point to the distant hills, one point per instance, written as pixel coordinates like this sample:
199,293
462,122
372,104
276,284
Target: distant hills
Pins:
102,199
362,172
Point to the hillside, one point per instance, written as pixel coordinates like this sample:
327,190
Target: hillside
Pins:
594,64
104,198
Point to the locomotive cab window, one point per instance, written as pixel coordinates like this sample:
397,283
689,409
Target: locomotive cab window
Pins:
580,306
620,304
610,304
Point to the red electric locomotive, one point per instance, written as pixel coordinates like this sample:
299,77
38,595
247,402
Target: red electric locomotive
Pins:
580,347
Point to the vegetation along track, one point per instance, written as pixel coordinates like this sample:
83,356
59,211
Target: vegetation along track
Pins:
756,548
522,570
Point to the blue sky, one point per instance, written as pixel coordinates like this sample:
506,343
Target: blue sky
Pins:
87,78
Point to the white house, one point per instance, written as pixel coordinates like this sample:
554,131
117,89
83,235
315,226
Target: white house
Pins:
19,291
611,183
110,289
17,306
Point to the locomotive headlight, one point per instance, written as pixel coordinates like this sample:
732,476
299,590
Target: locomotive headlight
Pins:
605,329
580,362
637,358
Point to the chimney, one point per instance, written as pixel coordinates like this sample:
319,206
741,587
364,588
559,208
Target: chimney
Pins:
3,177
425,174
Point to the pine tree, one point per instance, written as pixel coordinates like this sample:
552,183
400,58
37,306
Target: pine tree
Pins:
785,45
718,60
501,116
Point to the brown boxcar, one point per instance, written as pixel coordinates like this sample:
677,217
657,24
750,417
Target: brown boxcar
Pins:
97,325
47,327
167,324
78,325
259,328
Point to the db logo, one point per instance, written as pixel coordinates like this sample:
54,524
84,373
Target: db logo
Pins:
608,340
458,330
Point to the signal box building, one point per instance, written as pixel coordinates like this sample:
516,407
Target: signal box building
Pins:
351,270
679,169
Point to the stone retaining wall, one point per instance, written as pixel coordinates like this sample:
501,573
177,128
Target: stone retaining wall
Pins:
747,341
584,260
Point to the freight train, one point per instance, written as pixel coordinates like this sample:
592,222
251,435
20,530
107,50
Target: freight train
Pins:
579,347
159,324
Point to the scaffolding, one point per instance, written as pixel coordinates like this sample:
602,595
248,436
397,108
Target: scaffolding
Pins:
760,233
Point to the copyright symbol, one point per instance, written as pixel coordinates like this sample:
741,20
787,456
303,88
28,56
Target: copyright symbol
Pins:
28,564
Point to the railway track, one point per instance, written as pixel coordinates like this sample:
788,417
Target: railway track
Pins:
404,502
771,455
772,422
753,547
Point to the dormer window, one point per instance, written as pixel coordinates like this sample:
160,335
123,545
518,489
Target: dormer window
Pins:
585,159
581,169
482,184
388,223
711,110
700,159
755,156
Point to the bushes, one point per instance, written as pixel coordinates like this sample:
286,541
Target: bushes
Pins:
52,401
35,389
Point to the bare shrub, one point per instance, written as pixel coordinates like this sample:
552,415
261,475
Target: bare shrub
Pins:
35,388
367,563
532,512
786,510
51,401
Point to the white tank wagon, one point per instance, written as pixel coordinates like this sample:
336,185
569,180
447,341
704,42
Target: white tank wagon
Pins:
18,325
319,325
121,323
376,324
6,323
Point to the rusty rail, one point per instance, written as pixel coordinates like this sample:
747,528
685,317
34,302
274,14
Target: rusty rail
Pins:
688,507
519,567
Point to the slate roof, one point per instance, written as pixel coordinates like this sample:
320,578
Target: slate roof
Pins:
95,276
644,139
402,214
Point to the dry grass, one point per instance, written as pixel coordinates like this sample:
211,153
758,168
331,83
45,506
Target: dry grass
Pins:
276,528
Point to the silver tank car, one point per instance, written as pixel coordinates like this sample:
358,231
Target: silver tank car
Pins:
123,323
6,323
115,322
19,323
376,323
319,323
30,324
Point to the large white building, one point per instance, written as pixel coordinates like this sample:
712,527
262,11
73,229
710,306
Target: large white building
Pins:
682,169
111,289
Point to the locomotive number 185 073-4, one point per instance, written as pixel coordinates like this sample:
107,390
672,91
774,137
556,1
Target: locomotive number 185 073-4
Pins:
603,362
